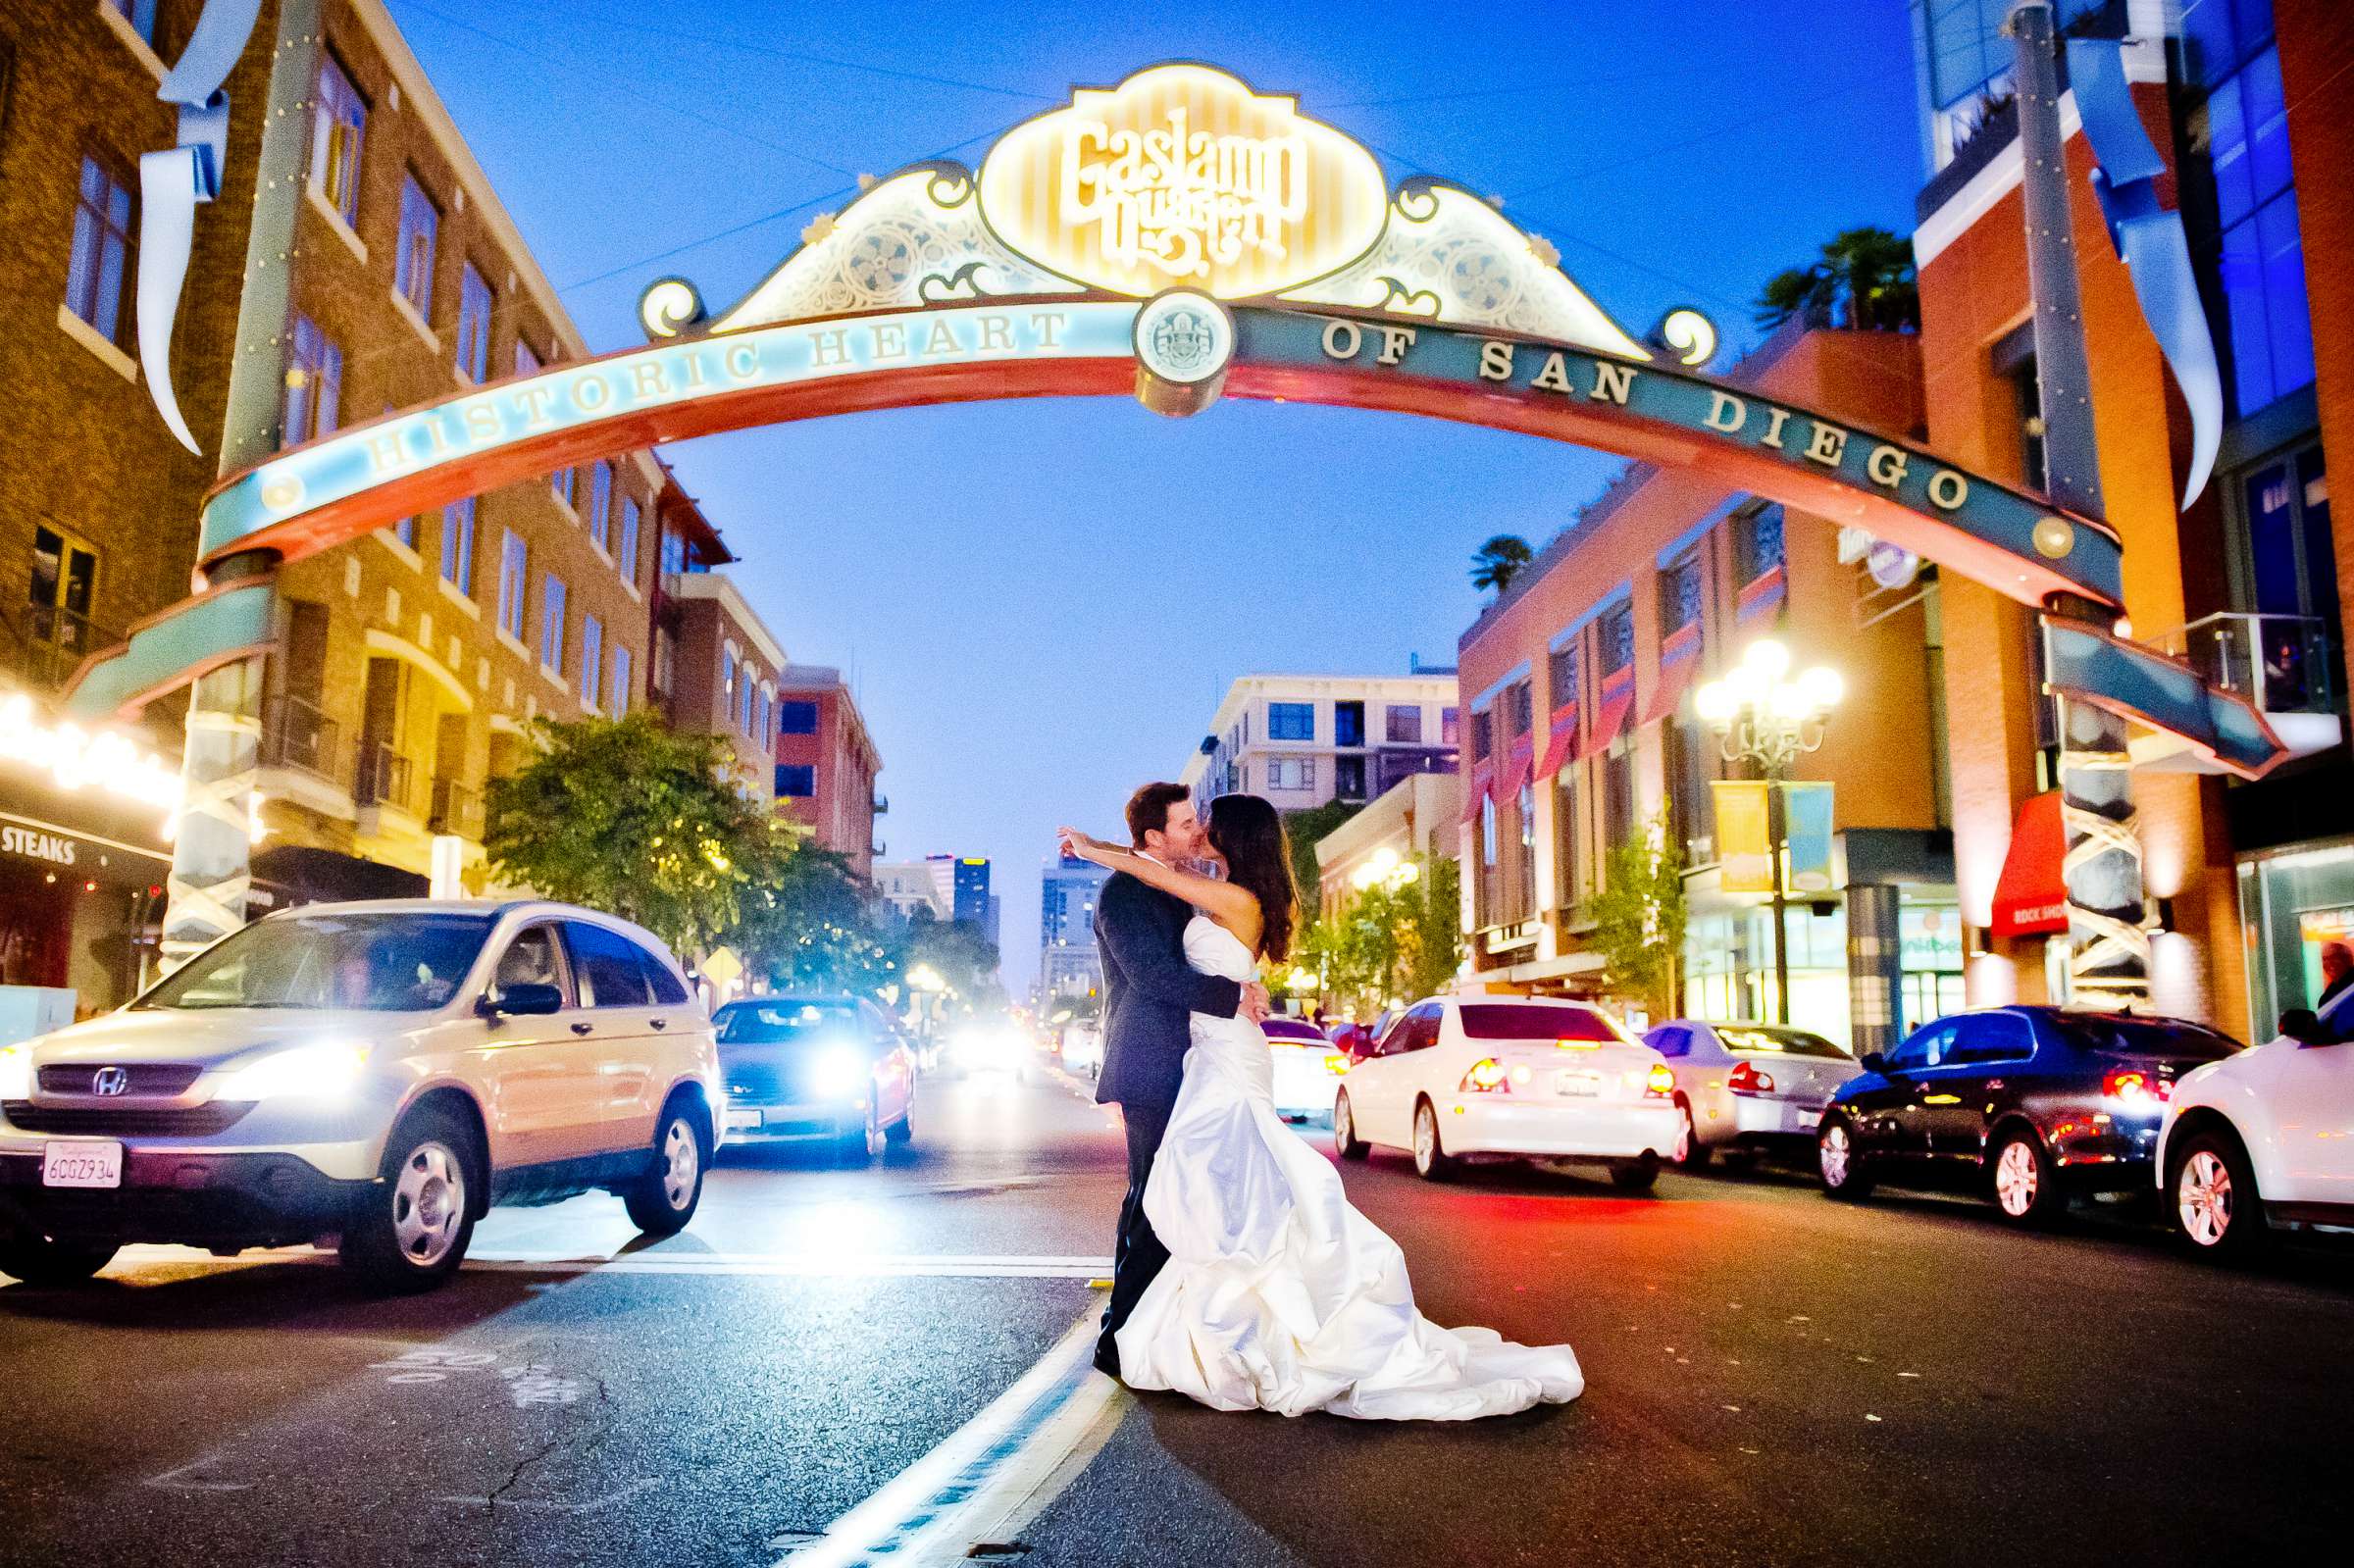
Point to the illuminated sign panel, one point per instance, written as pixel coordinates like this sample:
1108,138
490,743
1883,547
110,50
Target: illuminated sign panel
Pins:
1182,175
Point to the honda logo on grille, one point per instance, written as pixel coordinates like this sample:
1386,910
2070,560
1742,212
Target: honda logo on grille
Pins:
109,1081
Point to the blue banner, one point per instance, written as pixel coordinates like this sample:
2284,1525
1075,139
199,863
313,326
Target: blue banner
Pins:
1806,831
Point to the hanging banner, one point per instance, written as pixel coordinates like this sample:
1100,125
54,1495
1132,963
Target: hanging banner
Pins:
1806,831
1744,844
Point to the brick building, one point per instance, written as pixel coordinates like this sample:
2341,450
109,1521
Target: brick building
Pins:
718,666
827,763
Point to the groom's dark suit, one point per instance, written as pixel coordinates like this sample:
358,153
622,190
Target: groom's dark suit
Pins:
1148,988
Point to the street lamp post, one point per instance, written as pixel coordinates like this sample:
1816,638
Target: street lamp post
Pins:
1768,718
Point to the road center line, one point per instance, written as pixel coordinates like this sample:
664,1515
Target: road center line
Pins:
988,1477
1011,1265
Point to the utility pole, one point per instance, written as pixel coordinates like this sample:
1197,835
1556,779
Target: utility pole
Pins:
212,852
2108,949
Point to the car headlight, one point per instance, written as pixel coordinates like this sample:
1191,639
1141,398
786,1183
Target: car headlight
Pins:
313,1072
16,1071
840,1071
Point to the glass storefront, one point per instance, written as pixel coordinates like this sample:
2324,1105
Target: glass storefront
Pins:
1728,965
2289,904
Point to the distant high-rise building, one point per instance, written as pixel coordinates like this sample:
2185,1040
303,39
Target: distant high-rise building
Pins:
960,885
1068,962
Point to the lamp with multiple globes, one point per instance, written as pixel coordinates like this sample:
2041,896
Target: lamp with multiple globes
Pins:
1385,867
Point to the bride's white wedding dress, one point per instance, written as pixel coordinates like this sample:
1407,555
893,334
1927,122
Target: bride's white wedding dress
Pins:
1278,1296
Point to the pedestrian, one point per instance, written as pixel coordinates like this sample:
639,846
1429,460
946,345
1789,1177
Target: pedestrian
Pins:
2337,971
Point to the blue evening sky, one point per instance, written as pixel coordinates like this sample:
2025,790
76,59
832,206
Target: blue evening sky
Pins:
1040,604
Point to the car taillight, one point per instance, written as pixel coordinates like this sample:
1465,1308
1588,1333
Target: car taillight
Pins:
1488,1075
1577,1044
1336,1062
2132,1084
1659,1080
1747,1080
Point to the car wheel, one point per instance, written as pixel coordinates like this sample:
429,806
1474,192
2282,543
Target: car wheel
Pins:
662,1200
1636,1176
1344,1141
1846,1175
1432,1163
2026,1184
2212,1194
1689,1153
902,1131
45,1261
410,1228
864,1145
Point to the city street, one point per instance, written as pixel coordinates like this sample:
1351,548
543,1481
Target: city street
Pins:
840,1365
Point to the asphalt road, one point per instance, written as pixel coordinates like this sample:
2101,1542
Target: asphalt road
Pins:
837,1366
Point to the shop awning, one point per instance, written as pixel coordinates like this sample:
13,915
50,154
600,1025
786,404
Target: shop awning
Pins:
1476,792
1516,766
1679,661
2031,897
1617,698
1561,736
1763,594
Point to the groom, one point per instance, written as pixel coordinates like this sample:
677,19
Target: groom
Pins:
1148,988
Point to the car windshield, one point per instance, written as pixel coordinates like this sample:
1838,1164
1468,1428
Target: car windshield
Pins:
787,1023
1527,1021
389,962
2174,1037
1788,1041
1290,1029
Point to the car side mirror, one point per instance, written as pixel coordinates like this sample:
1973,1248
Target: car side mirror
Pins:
525,1001
2300,1025
1875,1062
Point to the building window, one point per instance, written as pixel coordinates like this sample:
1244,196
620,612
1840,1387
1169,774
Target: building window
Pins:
674,553
337,127
1404,724
1290,773
1349,778
527,359
617,701
1520,706
514,581
593,658
1758,542
413,263
627,558
2239,139
140,14
2288,567
98,279
795,781
559,485
1561,675
1618,794
457,545
1483,744
767,729
745,700
1616,636
797,718
405,530
552,624
1679,593
1451,726
1692,763
314,397
58,599
1569,839
1490,900
474,325
1525,873
1290,721
1347,724
727,677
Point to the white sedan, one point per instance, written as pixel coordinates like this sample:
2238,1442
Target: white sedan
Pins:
1522,1077
1745,1089
2264,1137
1308,1069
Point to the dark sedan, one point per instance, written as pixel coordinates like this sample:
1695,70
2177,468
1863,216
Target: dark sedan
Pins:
2030,1106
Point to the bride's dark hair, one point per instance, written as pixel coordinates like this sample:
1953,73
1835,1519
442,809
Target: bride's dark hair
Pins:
1249,832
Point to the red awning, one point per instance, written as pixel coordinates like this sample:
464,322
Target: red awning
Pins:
2030,897
1517,768
1767,590
1562,735
1679,661
1617,696
1476,792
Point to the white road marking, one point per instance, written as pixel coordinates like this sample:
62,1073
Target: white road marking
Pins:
592,1506
169,1480
990,1477
880,1265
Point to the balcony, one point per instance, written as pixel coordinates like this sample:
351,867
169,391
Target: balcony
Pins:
45,644
297,734
385,788
882,804
457,809
2283,665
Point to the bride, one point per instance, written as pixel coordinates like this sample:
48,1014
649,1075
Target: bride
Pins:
1279,1295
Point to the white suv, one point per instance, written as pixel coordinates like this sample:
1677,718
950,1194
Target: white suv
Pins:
2265,1137
378,1072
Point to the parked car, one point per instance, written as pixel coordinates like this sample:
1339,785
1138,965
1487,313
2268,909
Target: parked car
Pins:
1083,1050
1528,1077
2265,1138
816,1070
2031,1106
1744,1089
1306,1069
379,1072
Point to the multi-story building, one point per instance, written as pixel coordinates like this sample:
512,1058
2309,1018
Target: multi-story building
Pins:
408,664
827,763
1068,962
1302,740
1581,732
716,663
1416,822
960,885
909,886
2250,106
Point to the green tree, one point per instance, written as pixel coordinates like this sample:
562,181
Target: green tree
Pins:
1863,278
817,927
628,816
1402,939
1305,829
1639,916
1498,561
1434,945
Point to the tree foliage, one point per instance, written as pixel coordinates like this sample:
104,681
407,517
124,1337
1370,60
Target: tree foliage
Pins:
1863,278
1387,941
1639,916
1303,830
817,928
628,816
1498,561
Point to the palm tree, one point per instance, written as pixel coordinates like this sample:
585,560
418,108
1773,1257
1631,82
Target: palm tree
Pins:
1498,561
1863,278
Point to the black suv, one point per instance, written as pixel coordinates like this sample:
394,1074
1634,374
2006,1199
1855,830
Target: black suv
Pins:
2030,1105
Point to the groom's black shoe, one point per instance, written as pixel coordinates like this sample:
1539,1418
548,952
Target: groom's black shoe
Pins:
1107,1358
